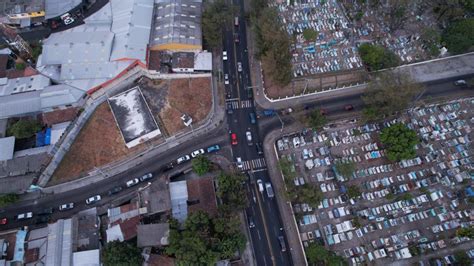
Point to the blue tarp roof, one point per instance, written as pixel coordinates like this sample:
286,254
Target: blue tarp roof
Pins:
19,246
470,192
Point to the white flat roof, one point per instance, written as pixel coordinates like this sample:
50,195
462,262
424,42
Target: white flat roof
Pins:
6,148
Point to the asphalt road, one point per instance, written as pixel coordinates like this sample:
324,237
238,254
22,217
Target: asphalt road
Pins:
78,196
262,210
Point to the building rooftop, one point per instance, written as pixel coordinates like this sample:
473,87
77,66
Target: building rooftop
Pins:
179,198
86,258
59,246
153,235
156,197
202,196
55,8
177,25
7,146
183,60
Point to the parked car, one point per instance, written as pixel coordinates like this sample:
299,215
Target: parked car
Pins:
114,191
183,159
224,55
259,148
213,148
239,66
67,19
195,153
23,216
233,139
66,206
252,118
269,188
281,240
460,82
3,221
133,182
146,177
42,219
349,107
93,199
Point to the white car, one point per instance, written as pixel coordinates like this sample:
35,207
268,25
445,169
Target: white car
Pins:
183,159
67,19
248,134
66,206
226,79
260,185
23,216
239,66
146,177
93,199
239,163
196,153
224,55
133,182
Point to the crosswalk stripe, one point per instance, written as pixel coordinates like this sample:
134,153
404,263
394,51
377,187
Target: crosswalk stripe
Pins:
254,164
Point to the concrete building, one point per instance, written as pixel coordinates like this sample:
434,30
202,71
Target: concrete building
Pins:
7,146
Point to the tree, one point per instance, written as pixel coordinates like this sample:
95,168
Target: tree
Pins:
20,66
201,165
431,40
399,142
231,191
356,222
24,129
465,232
387,94
346,169
310,35
285,168
459,36
462,258
353,191
318,255
377,57
316,119
310,193
7,199
214,16
121,253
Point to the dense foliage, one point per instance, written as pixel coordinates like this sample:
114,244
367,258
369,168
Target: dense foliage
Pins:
316,119
459,36
24,129
118,253
215,14
345,169
377,57
318,255
7,199
399,142
201,165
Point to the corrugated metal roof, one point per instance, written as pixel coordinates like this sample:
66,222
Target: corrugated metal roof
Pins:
203,61
177,21
24,84
179,197
7,146
87,258
131,23
93,70
59,251
55,8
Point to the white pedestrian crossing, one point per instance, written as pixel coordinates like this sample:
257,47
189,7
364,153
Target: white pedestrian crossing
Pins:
254,164
246,104
243,104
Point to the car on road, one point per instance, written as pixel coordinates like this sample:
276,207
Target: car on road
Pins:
3,221
269,188
460,82
239,163
349,107
114,190
224,55
229,108
281,240
42,219
236,38
260,185
67,19
248,134
252,118
239,66
132,182
213,148
183,159
233,139
251,222
226,79
46,211
196,153
146,177
93,199
258,146
66,206
23,216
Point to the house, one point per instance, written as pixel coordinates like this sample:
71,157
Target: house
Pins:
202,195
153,235
123,222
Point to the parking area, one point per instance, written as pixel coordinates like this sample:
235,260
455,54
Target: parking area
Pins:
384,211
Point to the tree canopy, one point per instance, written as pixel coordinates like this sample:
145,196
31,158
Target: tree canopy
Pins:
377,57
231,191
215,14
346,169
7,199
24,129
201,165
121,253
353,191
316,119
317,254
387,94
310,35
459,36
204,240
465,232
399,142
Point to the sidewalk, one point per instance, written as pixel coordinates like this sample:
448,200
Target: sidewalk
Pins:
212,121
286,210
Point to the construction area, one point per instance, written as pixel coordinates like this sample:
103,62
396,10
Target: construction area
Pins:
100,141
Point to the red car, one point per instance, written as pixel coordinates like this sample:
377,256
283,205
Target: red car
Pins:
349,107
3,221
233,139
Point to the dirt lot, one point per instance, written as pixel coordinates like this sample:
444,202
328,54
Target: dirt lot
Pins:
100,142
190,96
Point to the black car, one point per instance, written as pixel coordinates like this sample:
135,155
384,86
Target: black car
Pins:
259,148
114,190
42,219
46,211
168,167
229,109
